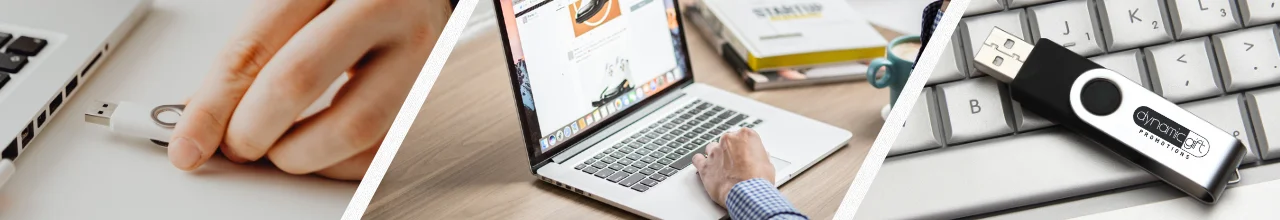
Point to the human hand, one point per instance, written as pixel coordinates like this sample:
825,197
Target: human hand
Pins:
739,156
288,55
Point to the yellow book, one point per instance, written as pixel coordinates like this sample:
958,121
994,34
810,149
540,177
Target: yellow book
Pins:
771,34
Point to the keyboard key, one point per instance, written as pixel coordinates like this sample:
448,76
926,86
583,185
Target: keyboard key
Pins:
1227,113
657,154
1255,12
11,63
1128,63
1025,120
656,166
690,146
1194,18
580,166
658,177
650,147
1264,107
639,165
1023,3
604,173
984,6
1068,23
708,137
1248,58
672,156
668,171
974,110
951,64
736,119
1182,71
27,46
5,37
617,176
630,170
647,171
640,188
648,182
635,156
590,170
977,28
994,175
4,79
631,180
599,165
687,159
919,131
1128,24
625,161
617,166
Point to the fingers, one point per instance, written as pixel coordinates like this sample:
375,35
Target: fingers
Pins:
699,162
208,111
359,117
293,79
712,149
352,168
743,144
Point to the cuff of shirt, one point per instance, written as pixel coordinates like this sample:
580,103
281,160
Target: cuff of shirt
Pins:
759,199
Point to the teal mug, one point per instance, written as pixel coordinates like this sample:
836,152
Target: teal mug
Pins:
898,61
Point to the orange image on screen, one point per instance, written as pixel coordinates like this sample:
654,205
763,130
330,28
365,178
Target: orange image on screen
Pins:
594,13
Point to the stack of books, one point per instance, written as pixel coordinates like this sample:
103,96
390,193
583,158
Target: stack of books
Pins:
787,43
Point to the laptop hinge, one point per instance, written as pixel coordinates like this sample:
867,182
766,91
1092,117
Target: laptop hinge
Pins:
617,126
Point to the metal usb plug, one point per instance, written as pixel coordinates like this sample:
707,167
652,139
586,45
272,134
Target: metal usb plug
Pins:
1002,55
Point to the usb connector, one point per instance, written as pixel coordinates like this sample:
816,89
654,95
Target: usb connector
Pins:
100,113
133,119
1002,55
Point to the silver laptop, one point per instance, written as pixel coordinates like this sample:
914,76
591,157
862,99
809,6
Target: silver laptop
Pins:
47,49
610,110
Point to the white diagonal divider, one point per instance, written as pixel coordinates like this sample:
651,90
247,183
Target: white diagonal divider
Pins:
409,111
889,131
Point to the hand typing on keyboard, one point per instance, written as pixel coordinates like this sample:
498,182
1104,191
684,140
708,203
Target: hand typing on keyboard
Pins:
738,175
288,54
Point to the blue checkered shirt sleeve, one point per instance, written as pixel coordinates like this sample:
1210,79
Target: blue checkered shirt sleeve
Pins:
758,199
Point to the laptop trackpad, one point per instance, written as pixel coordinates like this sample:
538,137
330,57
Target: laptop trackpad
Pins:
778,164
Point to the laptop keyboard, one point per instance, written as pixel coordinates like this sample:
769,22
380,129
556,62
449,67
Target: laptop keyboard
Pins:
1219,64
665,147
16,51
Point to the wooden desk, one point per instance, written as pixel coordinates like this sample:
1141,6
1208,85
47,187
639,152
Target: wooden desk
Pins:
464,158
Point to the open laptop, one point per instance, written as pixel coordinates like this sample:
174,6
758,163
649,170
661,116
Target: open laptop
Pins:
47,49
610,110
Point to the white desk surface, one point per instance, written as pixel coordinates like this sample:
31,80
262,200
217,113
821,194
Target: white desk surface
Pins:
77,170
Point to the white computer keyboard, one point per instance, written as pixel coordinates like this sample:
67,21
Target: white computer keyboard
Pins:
968,150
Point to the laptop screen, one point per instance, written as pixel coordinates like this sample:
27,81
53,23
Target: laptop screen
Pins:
578,63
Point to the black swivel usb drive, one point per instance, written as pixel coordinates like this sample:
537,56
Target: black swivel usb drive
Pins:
1105,107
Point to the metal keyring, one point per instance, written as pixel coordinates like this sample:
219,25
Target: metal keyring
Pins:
155,114
1237,179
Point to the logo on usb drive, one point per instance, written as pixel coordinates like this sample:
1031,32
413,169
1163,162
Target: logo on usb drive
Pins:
1169,134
